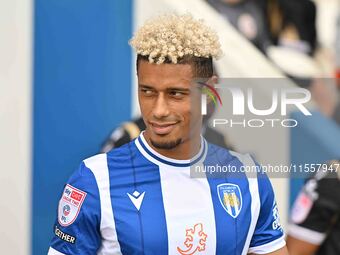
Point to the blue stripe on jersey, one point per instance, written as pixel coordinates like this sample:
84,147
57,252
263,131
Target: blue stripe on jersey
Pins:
232,243
169,162
264,231
147,226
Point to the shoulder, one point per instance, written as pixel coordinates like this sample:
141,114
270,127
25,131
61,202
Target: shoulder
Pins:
325,184
328,170
96,164
117,160
123,154
223,163
225,156
240,165
101,164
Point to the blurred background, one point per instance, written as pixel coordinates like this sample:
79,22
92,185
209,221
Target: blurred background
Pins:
67,79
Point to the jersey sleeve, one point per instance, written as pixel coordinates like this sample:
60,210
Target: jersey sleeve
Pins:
315,209
268,235
77,227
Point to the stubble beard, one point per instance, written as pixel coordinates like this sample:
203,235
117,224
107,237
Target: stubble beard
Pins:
166,145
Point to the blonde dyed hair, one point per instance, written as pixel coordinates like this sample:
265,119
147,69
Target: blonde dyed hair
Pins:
171,38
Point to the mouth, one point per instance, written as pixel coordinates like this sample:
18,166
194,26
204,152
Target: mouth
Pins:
162,128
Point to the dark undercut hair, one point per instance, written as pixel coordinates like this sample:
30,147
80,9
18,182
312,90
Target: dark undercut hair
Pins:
202,67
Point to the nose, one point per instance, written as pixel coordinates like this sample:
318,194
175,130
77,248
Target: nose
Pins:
161,108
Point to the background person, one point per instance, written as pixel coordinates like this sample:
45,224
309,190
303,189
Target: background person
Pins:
315,216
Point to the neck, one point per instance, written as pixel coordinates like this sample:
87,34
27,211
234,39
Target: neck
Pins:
187,149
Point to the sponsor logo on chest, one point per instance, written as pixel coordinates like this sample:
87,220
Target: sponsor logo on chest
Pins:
195,241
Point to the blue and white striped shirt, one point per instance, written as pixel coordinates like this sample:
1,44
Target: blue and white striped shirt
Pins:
134,200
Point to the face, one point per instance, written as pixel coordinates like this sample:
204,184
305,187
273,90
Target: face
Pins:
169,103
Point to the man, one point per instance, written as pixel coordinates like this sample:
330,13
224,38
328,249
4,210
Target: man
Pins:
315,220
140,198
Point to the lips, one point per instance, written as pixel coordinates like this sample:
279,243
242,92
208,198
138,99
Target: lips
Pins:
162,128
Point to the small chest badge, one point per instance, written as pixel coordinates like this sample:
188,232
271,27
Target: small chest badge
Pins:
231,198
69,205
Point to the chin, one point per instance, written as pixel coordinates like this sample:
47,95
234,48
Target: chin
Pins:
166,144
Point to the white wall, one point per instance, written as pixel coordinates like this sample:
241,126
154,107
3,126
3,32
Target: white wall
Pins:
15,125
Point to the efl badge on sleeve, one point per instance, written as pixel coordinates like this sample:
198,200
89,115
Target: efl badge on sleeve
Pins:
231,198
301,207
69,205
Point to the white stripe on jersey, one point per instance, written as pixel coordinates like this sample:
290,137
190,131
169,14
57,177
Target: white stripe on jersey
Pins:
184,196
268,247
247,161
52,251
192,198
98,166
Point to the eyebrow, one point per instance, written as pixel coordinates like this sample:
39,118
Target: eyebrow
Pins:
145,86
168,89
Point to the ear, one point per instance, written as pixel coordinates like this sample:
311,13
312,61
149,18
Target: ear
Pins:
213,80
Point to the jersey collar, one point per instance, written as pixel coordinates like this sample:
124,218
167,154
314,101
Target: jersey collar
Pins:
158,158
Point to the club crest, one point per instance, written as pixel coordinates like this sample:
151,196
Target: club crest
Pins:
231,198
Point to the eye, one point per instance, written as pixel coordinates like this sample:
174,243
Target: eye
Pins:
176,94
147,92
